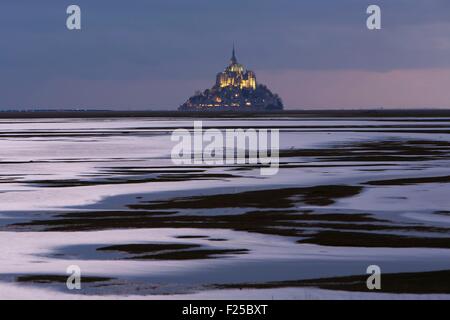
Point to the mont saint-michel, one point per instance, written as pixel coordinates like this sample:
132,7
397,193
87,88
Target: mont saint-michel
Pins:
236,89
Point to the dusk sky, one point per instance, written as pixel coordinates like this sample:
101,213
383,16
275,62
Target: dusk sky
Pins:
154,54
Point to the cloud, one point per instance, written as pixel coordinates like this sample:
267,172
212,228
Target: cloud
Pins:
181,42
404,88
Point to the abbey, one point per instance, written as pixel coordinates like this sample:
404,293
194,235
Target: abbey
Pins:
235,89
235,76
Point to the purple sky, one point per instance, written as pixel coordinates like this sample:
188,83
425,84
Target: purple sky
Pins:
154,54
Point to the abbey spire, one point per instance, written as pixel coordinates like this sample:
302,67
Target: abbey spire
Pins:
233,56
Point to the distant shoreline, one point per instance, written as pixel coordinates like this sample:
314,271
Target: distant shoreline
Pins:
227,114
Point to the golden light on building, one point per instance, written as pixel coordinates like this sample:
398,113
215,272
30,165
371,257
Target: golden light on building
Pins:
235,89
235,75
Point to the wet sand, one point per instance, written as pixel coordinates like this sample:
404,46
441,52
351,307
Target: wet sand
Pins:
350,192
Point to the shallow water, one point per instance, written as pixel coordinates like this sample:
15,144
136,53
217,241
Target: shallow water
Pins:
349,193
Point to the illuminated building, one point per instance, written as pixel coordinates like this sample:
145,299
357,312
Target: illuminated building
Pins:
235,89
235,75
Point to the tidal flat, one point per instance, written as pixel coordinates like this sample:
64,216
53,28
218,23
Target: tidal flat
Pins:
103,194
